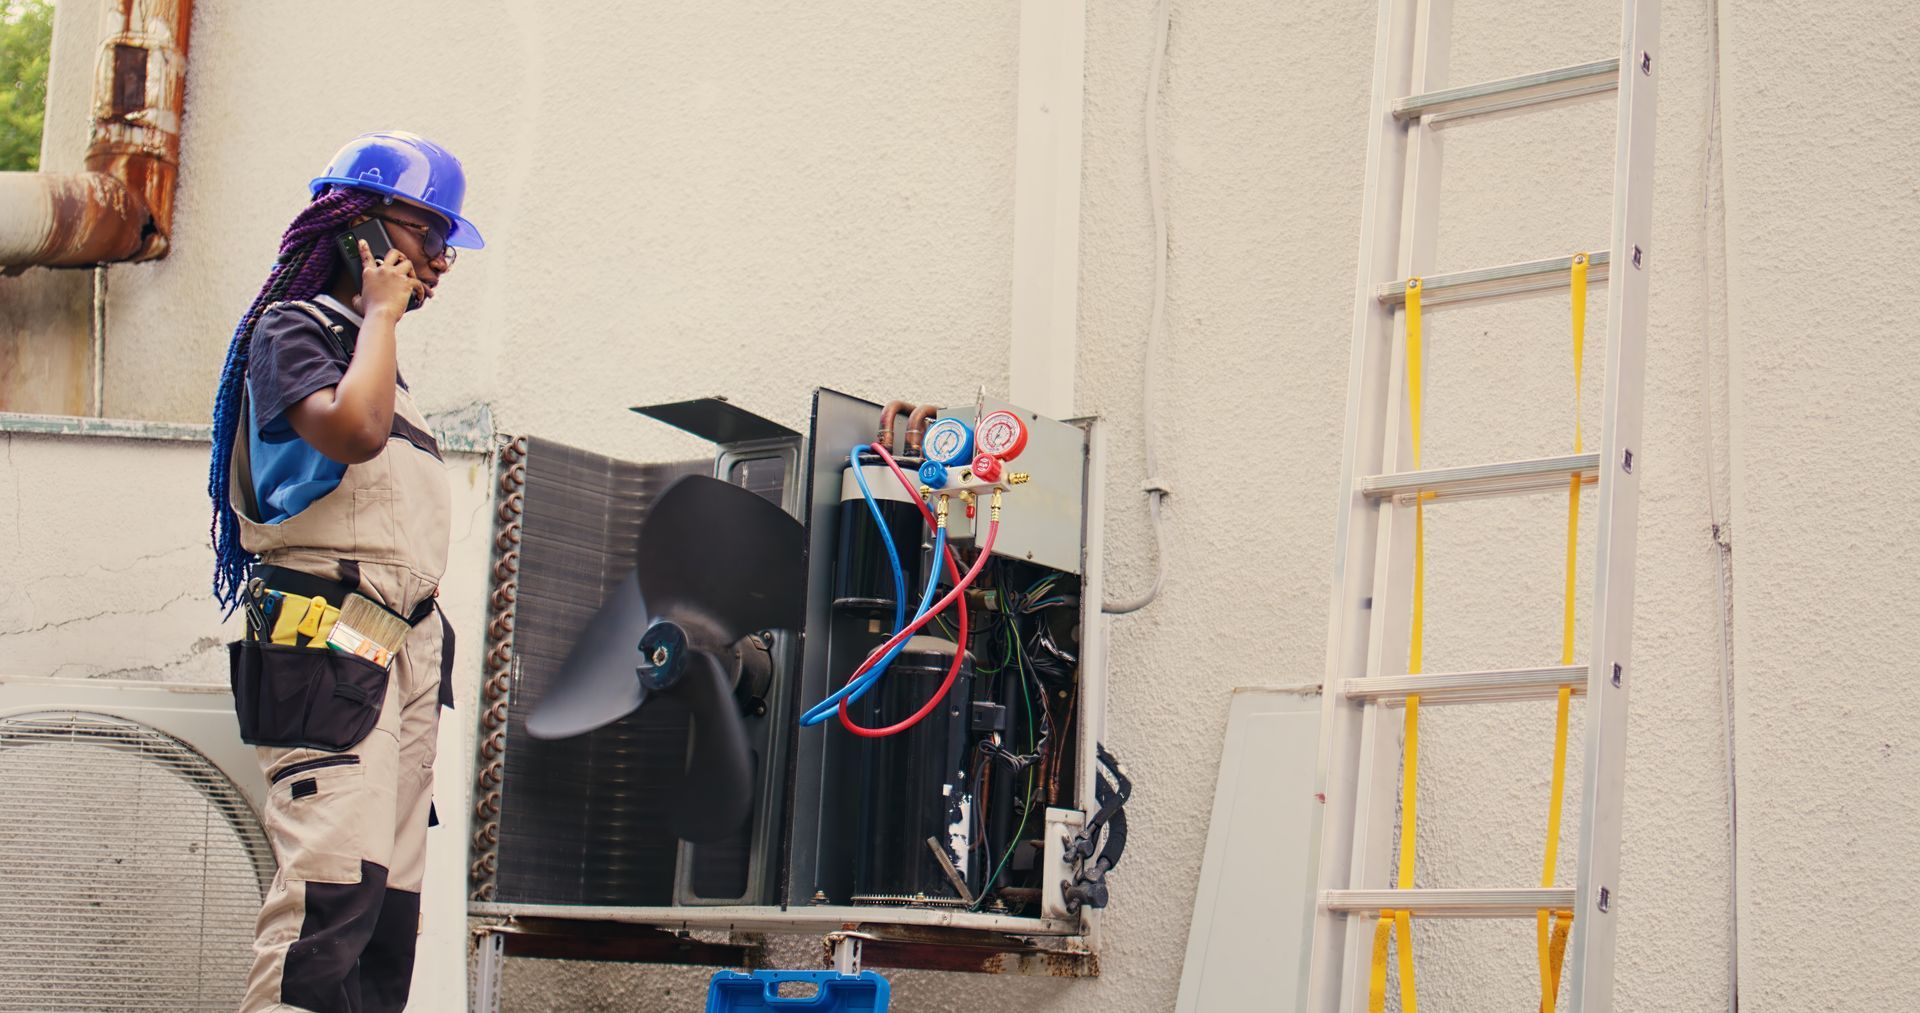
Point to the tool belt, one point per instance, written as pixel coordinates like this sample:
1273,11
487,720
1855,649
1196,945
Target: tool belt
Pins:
291,690
298,588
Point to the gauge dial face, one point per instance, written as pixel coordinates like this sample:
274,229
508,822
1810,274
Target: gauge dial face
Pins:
948,441
1002,434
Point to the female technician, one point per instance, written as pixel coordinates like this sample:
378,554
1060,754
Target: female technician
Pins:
323,470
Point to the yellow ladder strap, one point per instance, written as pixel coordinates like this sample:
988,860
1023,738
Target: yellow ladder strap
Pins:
1562,923
1400,925
1402,921
1414,365
1549,928
1403,938
1377,976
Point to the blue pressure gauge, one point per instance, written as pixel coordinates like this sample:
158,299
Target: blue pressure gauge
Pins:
949,442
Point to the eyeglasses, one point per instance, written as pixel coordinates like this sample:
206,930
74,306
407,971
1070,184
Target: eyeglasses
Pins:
433,241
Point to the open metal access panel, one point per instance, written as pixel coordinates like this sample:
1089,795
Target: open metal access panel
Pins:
572,855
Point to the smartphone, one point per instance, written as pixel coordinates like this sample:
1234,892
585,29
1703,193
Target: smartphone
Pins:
374,232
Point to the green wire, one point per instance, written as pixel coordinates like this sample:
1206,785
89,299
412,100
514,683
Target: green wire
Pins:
1026,809
1026,695
1000,667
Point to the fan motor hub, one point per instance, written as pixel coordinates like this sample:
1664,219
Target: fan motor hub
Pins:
663,655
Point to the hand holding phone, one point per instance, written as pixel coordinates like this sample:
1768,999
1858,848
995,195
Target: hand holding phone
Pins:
383,274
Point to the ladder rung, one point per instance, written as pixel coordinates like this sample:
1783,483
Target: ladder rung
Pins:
1513,92
1493,282
1469,687
1505,478
1451,903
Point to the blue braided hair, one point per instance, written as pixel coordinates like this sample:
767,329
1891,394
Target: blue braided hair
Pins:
302,270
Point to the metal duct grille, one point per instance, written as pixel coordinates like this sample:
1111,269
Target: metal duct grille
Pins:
131,869
580,820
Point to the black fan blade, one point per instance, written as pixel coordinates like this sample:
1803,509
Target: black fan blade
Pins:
715,796
597,685
712,550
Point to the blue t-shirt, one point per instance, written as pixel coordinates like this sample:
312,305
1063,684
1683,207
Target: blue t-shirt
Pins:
288,474
291,357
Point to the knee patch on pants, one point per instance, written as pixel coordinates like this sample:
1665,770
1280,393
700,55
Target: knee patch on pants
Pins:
386,968
322,970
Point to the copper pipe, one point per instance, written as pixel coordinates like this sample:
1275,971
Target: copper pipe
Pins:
1052,775
884,434
121,207
917,426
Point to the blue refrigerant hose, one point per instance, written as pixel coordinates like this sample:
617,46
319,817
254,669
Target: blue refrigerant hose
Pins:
858,688
886,538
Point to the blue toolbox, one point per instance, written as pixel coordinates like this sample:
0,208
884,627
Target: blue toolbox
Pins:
733,990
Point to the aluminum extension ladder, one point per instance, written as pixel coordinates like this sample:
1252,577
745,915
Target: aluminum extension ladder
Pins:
1382,489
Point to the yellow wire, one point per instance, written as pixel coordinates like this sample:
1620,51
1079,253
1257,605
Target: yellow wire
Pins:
1550,928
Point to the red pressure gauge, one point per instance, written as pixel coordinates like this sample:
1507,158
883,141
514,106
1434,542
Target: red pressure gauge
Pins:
1002,435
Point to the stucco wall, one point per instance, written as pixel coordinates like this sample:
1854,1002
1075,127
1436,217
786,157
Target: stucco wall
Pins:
1820,195
755,200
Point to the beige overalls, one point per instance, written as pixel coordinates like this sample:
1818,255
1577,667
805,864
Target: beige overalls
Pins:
349,828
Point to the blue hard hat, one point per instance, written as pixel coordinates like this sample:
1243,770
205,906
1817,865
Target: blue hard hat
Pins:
408,166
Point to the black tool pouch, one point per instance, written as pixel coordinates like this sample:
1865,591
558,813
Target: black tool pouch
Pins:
304,697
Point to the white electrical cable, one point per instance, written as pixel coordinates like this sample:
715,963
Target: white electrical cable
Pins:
1155,489
1718,530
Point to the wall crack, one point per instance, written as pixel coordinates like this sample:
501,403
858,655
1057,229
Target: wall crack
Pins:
109,613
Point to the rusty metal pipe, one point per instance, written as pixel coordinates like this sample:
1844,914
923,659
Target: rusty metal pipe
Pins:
51,219
884,434
917,426
121,207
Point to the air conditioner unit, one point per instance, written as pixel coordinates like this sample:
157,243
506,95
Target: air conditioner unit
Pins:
954,837
132,859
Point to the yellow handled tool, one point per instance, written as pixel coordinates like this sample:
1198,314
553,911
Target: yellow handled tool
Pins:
304,622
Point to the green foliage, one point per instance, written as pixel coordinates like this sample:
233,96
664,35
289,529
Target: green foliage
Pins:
26,43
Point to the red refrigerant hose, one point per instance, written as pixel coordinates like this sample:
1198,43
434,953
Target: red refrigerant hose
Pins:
958,594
